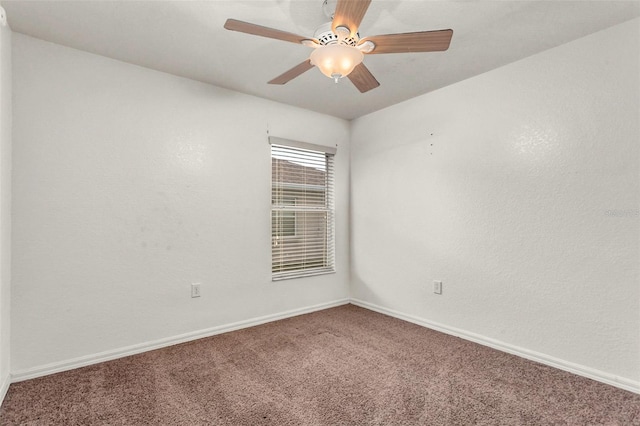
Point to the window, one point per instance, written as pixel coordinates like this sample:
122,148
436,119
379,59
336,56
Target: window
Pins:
302,213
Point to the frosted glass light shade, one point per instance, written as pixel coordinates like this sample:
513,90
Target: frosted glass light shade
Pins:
336,60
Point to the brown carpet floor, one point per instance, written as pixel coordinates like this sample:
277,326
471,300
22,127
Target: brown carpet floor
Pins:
340,366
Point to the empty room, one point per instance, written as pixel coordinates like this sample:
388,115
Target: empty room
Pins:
308,212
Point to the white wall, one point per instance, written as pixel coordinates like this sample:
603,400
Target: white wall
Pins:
5,206
519,190
130,184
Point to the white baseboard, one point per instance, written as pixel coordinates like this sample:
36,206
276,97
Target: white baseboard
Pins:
580,370
84,361
4,387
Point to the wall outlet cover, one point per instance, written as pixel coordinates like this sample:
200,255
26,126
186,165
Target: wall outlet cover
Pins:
195,290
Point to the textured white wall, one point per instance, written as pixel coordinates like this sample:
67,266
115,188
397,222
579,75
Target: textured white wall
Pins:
129,184
519,190
5,205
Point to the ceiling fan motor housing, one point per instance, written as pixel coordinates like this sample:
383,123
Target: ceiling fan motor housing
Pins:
325,36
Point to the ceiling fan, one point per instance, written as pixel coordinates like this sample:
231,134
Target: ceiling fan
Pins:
339,50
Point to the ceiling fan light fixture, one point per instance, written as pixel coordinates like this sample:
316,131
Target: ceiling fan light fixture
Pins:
336,60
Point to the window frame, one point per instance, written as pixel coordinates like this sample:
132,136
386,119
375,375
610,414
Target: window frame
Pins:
327,253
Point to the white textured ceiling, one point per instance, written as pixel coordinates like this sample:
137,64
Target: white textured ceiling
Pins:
187,38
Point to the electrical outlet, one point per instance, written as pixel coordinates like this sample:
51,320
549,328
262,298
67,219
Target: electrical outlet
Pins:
437,287
195,290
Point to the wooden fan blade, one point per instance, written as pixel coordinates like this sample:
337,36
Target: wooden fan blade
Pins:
423,41
349,13
246,27
362,78
292,73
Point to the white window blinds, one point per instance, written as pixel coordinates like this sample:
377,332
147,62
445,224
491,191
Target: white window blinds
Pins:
302,212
